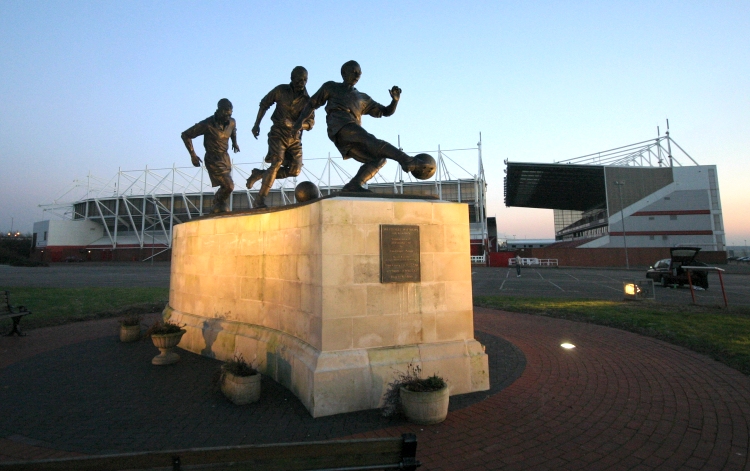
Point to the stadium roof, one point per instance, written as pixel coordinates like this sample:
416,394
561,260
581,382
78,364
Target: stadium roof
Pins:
555,186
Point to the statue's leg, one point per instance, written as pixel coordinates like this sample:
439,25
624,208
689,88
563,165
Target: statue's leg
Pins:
221,198
269,176
219,168
356,143
383,149
283,173
366,172
274,147
255,176
292,165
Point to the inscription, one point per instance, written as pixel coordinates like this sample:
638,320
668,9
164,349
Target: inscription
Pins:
399,254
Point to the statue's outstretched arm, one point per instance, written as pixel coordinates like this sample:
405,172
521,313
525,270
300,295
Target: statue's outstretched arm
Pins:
256,126
316,101
309,122
233,136
306,112
265,103
189,146
395,93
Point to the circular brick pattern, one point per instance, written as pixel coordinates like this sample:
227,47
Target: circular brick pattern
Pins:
616,401
103,396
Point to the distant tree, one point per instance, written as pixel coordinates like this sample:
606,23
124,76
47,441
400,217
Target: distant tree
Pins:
16,250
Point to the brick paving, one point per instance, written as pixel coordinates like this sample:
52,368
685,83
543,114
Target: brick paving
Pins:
616,401
76,388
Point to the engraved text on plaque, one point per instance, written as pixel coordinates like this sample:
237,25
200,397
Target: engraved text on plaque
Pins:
399,254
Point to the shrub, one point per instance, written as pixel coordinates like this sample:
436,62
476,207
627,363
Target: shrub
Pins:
411,380
238,367
167,327
9,255
20,246
131,320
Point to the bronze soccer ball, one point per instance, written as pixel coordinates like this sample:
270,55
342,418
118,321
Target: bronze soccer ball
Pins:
426,166
306,191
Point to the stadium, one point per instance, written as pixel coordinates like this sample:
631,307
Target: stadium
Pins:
623,206
130,217
620,207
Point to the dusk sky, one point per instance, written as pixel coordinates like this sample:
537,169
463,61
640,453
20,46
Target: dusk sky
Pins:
99,86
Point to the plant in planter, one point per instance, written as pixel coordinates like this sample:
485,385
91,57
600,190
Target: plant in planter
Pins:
165,336
422,400
239,381
130,328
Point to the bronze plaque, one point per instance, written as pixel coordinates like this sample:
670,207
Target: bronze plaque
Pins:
399,254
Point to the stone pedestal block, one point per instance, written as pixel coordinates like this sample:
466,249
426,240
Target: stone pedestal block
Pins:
298,291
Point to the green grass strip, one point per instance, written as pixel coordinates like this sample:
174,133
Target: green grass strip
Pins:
55,306
723,334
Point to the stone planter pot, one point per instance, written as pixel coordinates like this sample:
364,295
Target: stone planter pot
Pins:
130,333
241,389
165,343
425,407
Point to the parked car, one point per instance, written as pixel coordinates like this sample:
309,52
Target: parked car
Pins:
669,271
656,270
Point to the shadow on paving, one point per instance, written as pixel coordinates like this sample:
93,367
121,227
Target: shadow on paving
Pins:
103,396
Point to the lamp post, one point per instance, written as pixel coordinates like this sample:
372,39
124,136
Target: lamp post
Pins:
620,184
152,246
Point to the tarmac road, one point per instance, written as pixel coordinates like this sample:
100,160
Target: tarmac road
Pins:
594,283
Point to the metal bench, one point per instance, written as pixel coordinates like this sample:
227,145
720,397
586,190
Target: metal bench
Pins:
15,313
347,455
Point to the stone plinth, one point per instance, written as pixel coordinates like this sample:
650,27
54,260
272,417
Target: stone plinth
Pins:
298,292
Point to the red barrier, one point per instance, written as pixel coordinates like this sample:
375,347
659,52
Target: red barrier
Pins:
500,259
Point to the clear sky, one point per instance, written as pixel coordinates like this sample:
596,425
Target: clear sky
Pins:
98,86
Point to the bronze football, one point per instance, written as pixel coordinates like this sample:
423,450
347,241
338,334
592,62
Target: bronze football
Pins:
426,166
306,191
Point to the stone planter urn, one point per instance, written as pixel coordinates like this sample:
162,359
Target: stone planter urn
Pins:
241,389
430,407
130,333
165,343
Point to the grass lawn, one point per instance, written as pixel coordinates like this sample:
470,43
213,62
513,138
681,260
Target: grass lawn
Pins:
723,334
54,306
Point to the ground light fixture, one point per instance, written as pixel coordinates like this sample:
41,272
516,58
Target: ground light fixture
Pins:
567,346
638,289
631,289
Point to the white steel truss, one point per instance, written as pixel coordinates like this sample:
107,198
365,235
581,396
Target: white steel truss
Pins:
652,153
139,208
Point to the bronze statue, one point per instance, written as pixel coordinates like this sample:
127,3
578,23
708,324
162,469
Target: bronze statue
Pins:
344,109
284,146
216,131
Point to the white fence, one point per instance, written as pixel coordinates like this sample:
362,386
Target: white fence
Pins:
477,259
541,262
